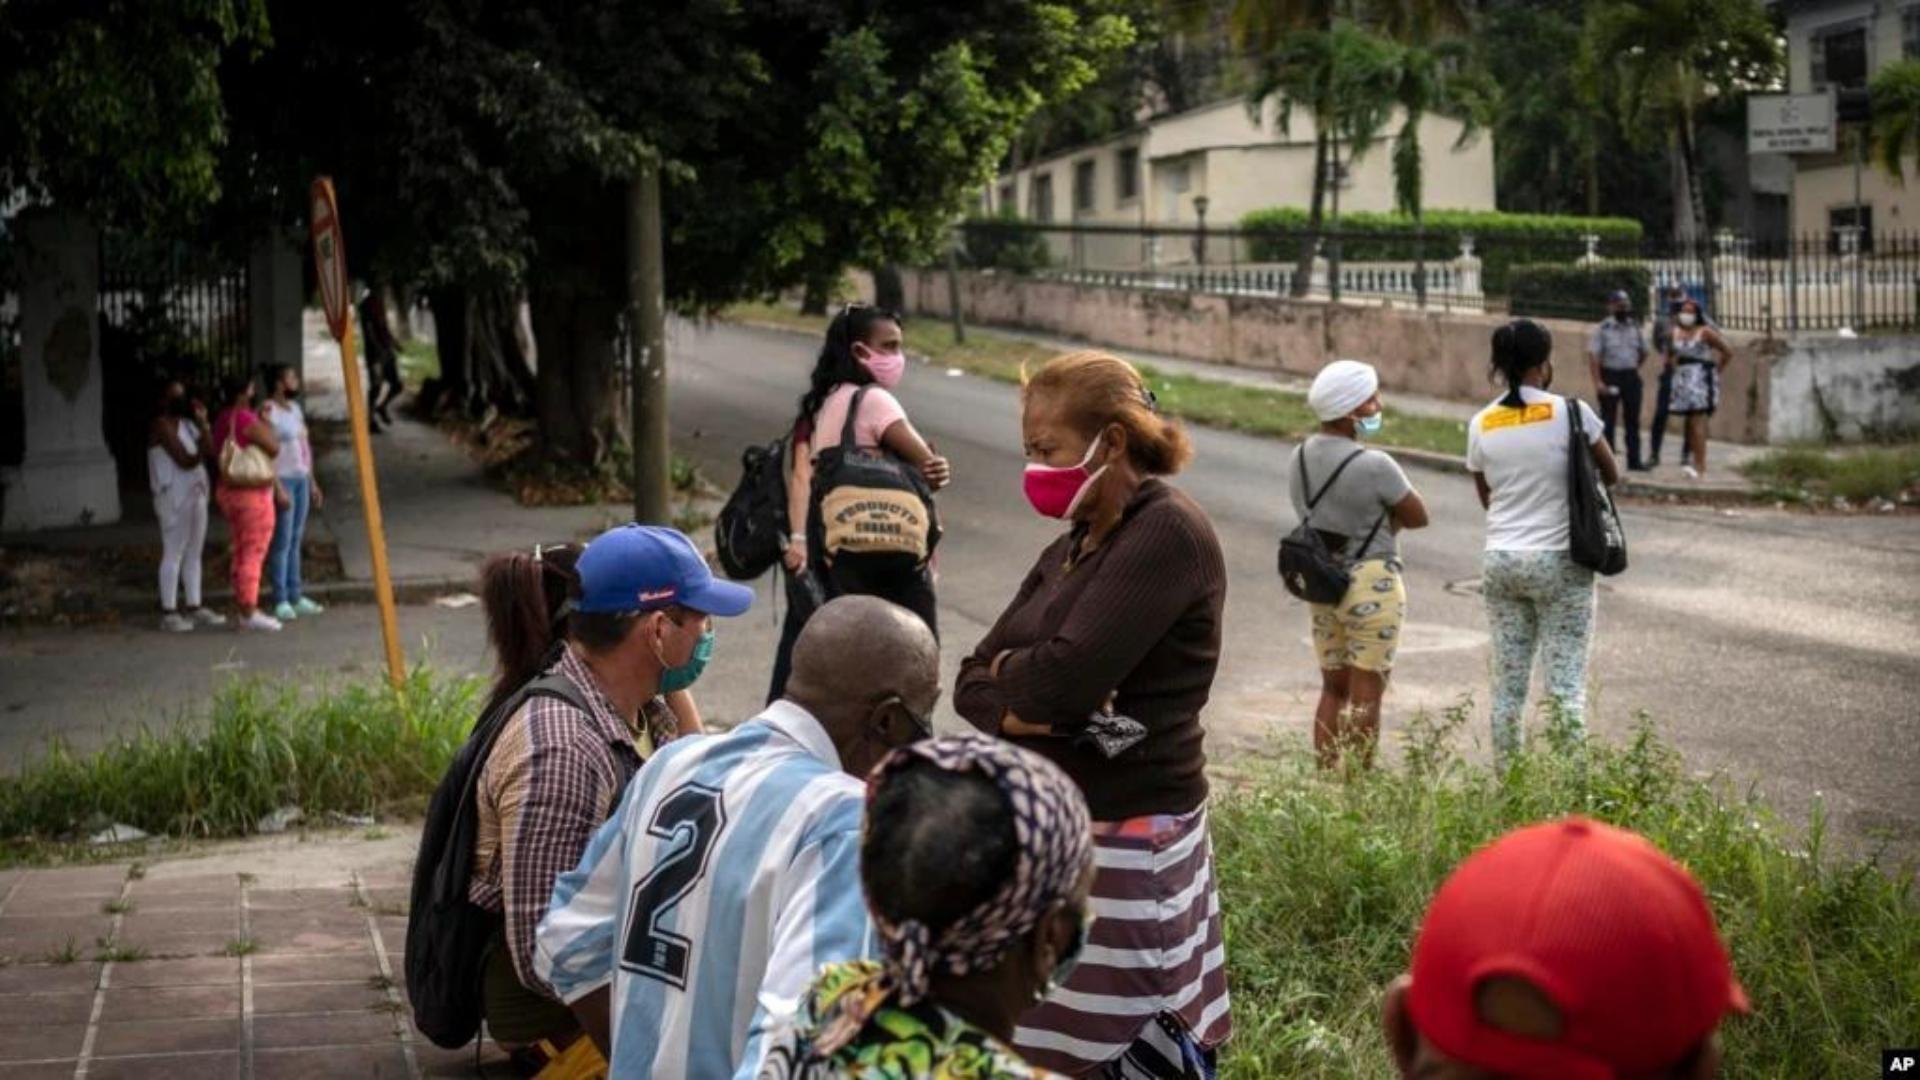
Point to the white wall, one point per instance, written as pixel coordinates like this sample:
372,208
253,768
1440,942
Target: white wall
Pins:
1852,389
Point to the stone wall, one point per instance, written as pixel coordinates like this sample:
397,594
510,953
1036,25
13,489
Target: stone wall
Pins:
1846,389
1439,355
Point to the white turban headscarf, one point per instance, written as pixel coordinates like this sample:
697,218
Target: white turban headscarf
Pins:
1342,387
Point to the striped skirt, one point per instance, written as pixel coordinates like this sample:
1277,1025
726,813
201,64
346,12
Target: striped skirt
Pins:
1154,960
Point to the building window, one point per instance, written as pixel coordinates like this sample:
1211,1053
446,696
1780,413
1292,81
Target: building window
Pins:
1910,32
1843,217
1043,197
1008,201
1180,178
1839,58
1126,174
1083,186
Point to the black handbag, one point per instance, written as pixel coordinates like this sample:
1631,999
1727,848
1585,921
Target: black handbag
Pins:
1595,538
1308,567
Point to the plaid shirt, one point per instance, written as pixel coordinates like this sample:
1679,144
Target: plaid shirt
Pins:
553,777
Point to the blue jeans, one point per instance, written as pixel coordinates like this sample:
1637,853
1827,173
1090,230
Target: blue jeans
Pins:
289,528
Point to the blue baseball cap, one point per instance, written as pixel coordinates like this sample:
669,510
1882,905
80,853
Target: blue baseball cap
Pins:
646,568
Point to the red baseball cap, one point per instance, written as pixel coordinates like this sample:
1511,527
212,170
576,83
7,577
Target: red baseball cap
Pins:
1616,934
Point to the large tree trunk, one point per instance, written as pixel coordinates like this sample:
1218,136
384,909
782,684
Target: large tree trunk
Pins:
1697,206
819,289
1303,264
578,398
888,290
503,368
456,385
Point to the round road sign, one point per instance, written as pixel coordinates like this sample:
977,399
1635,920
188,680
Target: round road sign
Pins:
329,255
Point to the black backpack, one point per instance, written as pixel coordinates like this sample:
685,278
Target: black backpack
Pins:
1595,537
1308,566
751,531
446,933
868,504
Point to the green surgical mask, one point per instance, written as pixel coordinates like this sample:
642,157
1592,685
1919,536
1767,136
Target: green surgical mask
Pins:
673,680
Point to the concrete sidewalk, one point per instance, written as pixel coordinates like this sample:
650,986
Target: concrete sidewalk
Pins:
279,957
442,516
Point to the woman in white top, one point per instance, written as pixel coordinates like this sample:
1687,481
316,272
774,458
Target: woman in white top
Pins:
1538,598
294,466
864,347
178,447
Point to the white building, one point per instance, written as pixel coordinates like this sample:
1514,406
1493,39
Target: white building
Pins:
1159,172
1840,44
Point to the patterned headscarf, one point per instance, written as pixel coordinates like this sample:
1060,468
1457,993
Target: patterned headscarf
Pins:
1054,847
1054,842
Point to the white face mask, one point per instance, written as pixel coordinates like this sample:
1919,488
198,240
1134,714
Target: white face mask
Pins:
1688,318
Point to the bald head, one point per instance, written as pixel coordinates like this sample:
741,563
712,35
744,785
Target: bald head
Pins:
859,651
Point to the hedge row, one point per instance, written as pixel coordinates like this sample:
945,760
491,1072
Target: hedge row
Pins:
1501,240
1003,243
1575,292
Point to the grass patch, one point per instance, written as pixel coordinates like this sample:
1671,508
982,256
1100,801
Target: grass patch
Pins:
241,947
69,953
1857,474
356,750
113,952
1324,882
419,361
1274,413
116,906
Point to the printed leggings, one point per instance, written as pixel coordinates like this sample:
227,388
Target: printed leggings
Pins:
1537,601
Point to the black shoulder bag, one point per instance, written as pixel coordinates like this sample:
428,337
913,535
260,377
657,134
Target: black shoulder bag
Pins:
1595,538
1308,567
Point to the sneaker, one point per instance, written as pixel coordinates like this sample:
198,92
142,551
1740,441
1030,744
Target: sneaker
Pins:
175,623
207,618
1690,472
259,620
284,612
305,606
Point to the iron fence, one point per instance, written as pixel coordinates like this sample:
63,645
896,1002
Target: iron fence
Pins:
1819,282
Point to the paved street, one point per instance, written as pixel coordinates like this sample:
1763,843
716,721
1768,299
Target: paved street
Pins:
1779,647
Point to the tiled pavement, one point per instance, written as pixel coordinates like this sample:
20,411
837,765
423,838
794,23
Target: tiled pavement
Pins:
277,960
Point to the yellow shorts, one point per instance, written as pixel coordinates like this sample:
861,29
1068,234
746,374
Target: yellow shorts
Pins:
1363,629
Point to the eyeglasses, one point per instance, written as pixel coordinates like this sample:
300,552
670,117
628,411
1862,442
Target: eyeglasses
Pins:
922,722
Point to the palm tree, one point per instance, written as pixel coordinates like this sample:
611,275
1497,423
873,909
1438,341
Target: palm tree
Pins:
1671,57
1317,53
1895,93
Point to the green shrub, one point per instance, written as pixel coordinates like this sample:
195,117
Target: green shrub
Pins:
1324,881
1858,474
1004,243
1560,291
353,750
1500,239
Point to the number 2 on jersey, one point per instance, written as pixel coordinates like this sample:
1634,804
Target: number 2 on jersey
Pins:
689,819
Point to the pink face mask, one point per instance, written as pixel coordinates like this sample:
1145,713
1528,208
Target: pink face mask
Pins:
886,368
1055,491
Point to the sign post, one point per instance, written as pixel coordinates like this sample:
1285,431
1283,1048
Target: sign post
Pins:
330,259
1792,124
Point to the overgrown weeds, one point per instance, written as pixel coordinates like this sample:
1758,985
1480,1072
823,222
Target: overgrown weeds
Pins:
354,749
1324,881
1855,474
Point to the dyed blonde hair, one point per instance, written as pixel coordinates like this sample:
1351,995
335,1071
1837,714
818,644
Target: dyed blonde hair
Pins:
1100,389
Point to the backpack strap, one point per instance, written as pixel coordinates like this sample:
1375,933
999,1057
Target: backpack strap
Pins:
488,731
1314,499
853,414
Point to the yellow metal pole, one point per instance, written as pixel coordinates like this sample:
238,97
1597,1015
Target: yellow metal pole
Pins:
370,506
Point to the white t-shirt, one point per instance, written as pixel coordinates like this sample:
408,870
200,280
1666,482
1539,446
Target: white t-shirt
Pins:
1523,454
290,427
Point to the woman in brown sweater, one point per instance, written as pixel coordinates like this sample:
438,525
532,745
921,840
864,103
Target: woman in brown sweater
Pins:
1102,663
